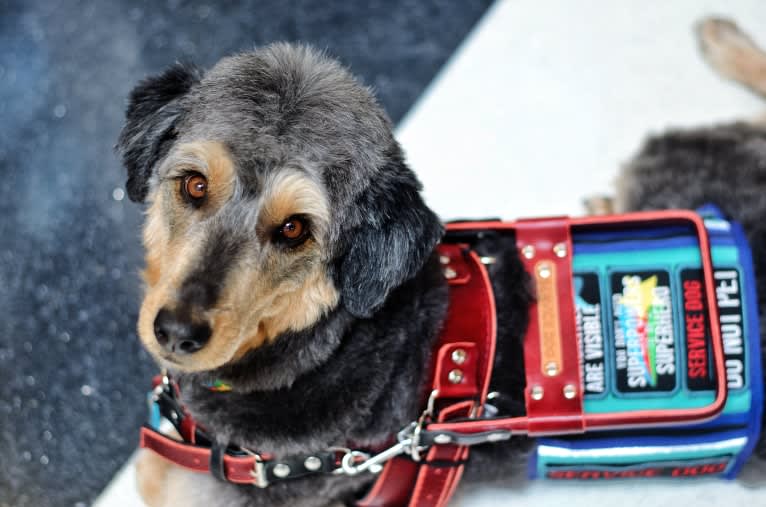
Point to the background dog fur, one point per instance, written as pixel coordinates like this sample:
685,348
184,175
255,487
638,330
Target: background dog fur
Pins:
287,405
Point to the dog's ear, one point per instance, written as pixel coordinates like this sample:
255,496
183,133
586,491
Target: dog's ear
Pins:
150,122
395,238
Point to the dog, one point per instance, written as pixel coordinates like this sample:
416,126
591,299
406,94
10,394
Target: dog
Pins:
290,255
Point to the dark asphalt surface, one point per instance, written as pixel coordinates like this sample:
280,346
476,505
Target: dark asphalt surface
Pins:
72,372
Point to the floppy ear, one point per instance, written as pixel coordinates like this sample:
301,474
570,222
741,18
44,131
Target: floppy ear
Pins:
150,122
395,238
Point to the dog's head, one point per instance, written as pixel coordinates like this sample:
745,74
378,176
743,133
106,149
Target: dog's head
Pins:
276,192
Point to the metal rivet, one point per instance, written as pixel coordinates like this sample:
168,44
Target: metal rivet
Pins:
442,438
444,259
551,369
560,249
312,463
544,271
449,273
281,470
537,393
459,356
455,376
570,391
487,260
528,251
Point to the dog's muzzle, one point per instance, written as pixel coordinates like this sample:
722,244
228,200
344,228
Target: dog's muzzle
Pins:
178,334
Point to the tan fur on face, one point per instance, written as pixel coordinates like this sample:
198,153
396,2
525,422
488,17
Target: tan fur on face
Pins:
270,289
289,310
282,304
168,257
290,193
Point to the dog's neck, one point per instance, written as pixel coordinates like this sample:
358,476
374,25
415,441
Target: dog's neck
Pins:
345,380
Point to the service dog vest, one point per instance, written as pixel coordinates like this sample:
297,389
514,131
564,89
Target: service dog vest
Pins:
645,342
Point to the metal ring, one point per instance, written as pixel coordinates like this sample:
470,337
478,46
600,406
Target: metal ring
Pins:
347,463
414,451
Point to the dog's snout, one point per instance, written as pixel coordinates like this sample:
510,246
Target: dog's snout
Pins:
178,335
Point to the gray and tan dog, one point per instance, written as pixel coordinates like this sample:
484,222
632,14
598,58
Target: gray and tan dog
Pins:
289,253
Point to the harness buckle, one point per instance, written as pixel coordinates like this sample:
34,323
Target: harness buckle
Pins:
163,386
408,442
415,448
259,469
367,463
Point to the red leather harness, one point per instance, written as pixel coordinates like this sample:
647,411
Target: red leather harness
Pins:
414,473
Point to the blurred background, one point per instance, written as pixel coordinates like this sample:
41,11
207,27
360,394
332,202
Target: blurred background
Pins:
539,101
72,374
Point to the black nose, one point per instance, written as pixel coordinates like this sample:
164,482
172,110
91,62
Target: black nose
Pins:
178,335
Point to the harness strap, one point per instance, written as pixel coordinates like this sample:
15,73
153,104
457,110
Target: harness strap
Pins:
459,383
551,350
436,484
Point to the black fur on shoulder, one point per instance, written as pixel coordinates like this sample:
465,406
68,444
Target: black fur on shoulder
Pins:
396,234
149,129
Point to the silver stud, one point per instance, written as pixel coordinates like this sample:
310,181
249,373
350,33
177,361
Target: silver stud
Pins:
281,470
459,356
312,463
455,376
528,251
442,438
537,393
560,249
444,259
544,271
551,369
487,260
570,391
449,273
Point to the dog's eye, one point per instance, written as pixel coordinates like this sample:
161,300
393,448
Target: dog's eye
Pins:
194,188
293,231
